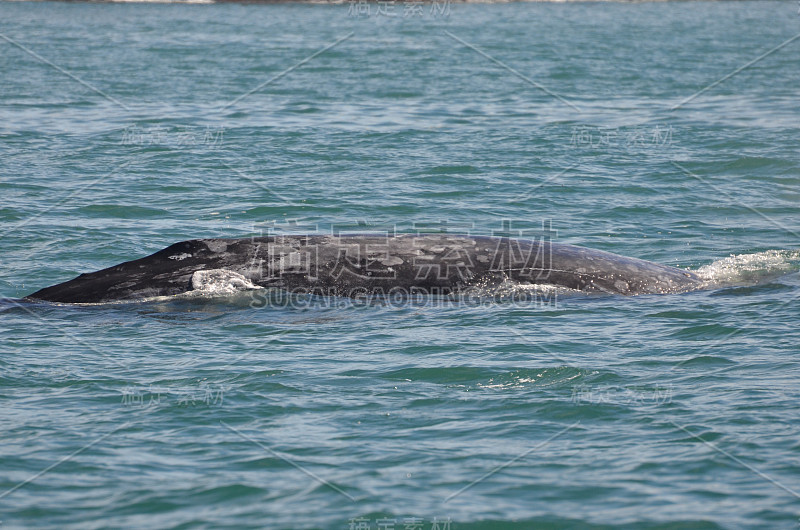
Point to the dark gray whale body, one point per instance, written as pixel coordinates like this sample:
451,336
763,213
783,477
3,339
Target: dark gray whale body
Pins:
354,265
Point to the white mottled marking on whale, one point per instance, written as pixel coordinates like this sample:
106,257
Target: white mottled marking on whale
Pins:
216,245
220,281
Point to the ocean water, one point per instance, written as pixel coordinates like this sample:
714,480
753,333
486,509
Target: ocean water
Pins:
663,131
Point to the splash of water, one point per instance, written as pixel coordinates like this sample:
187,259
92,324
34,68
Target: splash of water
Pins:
750,269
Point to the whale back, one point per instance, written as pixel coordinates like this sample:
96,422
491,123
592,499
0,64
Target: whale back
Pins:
352,265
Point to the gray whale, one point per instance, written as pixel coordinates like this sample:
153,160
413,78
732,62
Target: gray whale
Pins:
352,265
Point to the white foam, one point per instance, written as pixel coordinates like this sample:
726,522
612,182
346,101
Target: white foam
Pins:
509,289
750,269
220,282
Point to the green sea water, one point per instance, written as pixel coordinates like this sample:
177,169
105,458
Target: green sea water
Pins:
663,131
